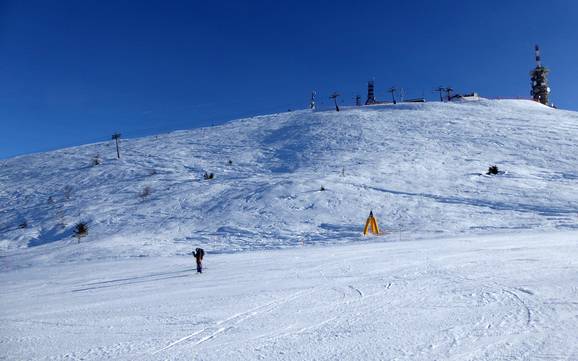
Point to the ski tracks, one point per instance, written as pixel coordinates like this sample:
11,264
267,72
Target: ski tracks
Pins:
526,308
357,290
224,325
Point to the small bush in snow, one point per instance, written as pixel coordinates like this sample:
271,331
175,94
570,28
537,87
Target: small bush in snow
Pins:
230,162
96,160
493,170
23,225
208,176
67,192
80,230
50,200
322,188
146,191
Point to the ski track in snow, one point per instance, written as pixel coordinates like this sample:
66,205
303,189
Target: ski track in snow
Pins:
230,322
495,298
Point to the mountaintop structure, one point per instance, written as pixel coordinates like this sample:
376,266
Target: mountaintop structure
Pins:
370,93
539,77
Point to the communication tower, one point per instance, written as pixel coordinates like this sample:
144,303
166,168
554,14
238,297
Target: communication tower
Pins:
370,93
539,77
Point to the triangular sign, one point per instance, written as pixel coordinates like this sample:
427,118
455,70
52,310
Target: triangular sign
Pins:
371,225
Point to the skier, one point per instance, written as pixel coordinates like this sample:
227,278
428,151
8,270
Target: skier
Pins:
198,254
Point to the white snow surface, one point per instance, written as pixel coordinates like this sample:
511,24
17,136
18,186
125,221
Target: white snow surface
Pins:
469,266
512,297
419,167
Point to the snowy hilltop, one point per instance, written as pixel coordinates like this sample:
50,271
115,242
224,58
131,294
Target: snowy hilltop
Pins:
421,168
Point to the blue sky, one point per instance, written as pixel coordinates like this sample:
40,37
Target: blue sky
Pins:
74,72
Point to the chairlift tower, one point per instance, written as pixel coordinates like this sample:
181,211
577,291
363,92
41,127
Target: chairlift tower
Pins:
440,90
392,90
449,91
539,77
334,97
116,137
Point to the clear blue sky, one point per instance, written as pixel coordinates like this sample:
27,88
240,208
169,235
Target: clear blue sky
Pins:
74,72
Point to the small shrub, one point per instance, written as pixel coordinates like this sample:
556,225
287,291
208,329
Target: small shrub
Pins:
230,162
493,170
322,189
67,192
80,230
23,225
146,191
208,176
50,200
96,160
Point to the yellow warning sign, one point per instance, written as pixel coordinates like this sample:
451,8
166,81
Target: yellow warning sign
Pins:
371,225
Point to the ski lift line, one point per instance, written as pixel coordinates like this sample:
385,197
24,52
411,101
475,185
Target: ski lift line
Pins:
250,112
132,133
104,139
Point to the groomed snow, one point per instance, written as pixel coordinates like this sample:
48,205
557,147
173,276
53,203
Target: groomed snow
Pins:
511,297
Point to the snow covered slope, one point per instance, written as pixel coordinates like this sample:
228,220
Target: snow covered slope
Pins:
451,290
417,166
465,299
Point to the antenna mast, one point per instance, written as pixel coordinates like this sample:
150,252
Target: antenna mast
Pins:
312,102
370,93
539,77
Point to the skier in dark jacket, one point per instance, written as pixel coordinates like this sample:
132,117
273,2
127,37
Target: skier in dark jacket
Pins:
198,254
